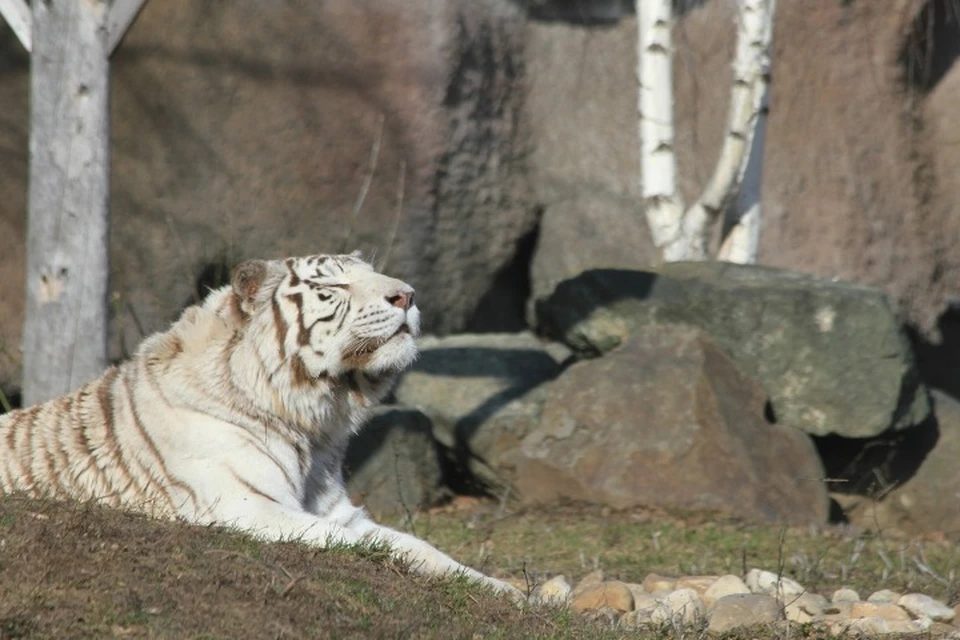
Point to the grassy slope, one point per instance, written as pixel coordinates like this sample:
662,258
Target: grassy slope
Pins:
81,571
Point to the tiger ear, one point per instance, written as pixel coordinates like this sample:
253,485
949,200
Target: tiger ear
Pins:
247,279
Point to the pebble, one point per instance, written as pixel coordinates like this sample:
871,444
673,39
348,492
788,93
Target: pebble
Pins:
742,609
700,584
771,584
655,583
727,603
840,609
637,590
613,594
682,606
863,625
921,605
886,610
644,607
845,595
554,592
805,607
727,585
591,579
884,595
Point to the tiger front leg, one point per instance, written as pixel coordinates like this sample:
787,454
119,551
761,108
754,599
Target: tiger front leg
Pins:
427,559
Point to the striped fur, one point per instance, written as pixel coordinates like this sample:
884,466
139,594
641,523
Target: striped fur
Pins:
240,413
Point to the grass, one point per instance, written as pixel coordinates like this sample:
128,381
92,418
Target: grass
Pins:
628,546
81,571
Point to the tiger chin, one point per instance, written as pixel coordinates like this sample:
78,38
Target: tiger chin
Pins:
239,414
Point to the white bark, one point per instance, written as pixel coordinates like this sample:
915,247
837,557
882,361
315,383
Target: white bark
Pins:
663,205
64,339
685,235
119,19
741,241
725,181
17,15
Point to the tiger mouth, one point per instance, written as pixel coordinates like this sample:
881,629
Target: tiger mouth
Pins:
370,345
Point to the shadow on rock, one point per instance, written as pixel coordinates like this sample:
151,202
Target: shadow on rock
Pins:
873,467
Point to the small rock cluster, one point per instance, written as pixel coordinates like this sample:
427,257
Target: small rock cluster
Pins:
724,603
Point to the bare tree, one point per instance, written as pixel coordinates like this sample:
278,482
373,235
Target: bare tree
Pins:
733,191
65,328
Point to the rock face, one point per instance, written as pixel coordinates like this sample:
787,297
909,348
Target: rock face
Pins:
246,129
392,465
814,343
668,419
895,227
483,394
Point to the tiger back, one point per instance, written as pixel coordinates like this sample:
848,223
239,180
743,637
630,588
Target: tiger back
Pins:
274,363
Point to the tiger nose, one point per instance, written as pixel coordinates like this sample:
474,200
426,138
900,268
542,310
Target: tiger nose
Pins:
401,299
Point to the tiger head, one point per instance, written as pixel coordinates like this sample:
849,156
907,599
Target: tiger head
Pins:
326,316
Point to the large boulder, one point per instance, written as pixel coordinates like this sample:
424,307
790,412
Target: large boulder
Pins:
255,129
929,501
831,355
483,394
669,420
393,465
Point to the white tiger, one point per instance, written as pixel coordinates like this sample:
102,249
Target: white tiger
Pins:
240,413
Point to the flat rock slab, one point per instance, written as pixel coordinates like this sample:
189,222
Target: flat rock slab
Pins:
814,344
669,420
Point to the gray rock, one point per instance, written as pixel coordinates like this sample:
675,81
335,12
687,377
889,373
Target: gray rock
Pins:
392,466
742,610
772,584
884,596
483,393
921,605
680,607
555,592
800,336
669,420
727,585
845,595
804,607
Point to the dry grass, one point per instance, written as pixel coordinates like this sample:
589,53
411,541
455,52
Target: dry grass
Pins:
628,546
71,571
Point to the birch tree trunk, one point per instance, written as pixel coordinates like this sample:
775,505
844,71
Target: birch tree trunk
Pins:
64,339
685,235
741,237
662,203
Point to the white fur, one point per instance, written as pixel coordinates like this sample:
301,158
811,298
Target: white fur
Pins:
225,420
